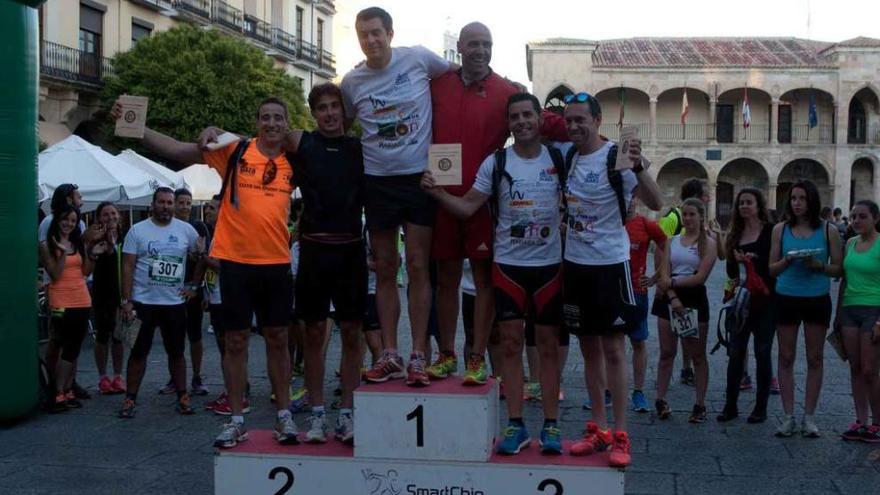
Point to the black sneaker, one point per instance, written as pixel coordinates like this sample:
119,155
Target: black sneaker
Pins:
198,388
698,414
687,376
663,410
80,392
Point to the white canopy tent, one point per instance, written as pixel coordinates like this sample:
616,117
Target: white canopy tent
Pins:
202,181
163,175
99,175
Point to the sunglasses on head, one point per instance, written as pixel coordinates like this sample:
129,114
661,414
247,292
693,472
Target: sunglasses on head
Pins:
581,97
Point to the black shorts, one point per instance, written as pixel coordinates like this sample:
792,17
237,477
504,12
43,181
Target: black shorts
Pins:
171,321
194,317
334,273
391,201
105,323
467,310
371,314
690,297
792,310
599,299
533,292
216,313
266,290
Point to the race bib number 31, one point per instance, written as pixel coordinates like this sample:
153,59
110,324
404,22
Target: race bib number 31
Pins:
167,270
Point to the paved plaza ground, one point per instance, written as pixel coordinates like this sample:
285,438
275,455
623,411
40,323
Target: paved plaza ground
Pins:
91,451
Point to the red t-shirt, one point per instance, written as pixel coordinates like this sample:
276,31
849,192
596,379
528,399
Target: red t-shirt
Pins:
641,232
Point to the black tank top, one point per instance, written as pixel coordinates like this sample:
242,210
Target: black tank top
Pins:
330,175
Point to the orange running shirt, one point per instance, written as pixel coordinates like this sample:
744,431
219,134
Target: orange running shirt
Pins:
256,232
70,290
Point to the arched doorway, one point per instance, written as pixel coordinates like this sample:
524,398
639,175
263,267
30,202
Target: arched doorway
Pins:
860,107
806,115
673,174
636,111
555,101
737,174
861,181
799,169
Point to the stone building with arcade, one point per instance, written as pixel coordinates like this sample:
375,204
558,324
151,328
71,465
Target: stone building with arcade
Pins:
814,109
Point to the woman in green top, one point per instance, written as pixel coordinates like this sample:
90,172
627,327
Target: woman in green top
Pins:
859,319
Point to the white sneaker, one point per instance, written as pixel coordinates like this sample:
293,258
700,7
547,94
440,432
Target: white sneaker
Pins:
345,428
787,428
809,428
317,432
285,431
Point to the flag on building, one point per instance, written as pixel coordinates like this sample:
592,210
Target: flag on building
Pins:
746,111
621,99
684,106
814,115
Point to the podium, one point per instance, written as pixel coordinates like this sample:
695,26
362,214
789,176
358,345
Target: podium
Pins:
438,440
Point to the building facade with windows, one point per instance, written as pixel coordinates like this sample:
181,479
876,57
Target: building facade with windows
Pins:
813,109
79,37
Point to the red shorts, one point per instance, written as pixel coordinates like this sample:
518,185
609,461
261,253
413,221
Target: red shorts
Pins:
456,239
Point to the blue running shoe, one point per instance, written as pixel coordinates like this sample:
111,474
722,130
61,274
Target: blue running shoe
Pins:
639,402
515,439
550,441
588,404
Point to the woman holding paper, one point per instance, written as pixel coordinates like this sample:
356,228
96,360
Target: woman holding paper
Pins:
682,308
804,253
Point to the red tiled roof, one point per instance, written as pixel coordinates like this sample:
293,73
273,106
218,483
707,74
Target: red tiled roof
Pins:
710,52
860,42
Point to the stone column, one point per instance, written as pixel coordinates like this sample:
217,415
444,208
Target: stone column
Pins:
711,120
876,181
653,119
774,122
713,197
771,196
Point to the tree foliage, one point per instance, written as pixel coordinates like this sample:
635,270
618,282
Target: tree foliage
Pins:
195,77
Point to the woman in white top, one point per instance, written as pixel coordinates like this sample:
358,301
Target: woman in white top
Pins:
687,262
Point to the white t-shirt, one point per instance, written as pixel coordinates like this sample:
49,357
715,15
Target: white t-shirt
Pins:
527,231
595,234
43,229
393,105
161,260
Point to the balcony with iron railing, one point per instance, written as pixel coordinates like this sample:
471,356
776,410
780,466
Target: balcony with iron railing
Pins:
72,65
199,8
228,16
257,29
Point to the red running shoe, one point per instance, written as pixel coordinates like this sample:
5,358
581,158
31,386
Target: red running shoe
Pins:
105,386
387,367
225,409
416,376
595,440
620,457
118,385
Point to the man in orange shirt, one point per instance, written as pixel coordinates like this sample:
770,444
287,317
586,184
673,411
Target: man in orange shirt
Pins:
251,242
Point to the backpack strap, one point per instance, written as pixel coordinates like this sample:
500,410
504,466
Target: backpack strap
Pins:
561,176
499,172
231,175
615,178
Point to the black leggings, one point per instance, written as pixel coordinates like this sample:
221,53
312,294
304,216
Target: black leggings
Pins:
761,324
171,321
105,324
70,328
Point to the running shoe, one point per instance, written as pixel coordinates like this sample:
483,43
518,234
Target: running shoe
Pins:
588,404
231,434
477,373
745,383
345,428
550,440
105,386
639,402
222,399
595,440
79,392
128,410
774,386
168,388
317,432
415,372
59,404
854,432
663,410
698,414
620,456
809,429
532,391
72,401
184,406
198,388
729,413
445,365
225,408
389,366
118,385
285,430
871,434
515,439
787,428
300,401
687,376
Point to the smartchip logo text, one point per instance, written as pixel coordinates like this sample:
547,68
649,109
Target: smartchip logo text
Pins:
413,489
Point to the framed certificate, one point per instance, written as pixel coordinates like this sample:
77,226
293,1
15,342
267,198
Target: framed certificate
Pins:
134,116
444,163
627,134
